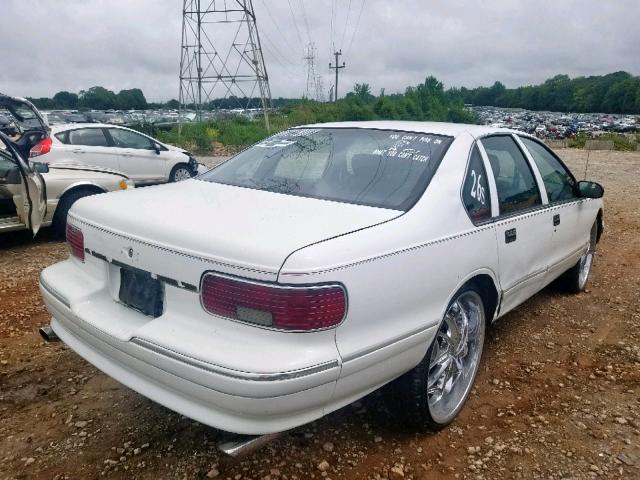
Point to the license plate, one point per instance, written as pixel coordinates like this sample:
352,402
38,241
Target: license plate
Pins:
141,292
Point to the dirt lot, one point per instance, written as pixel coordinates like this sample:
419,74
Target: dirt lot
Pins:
558,395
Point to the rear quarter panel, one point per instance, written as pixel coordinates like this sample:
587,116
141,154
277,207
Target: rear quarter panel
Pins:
400,277
59,180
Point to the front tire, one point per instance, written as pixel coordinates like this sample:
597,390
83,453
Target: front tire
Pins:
59,222
180,172
577,277
430,396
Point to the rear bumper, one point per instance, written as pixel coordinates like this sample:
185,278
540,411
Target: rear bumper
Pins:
231,400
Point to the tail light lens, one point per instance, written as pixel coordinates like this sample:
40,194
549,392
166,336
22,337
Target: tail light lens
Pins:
75,239
287,308
41,148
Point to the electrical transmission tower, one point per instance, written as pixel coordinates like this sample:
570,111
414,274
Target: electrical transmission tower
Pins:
310,58
315,88
221,56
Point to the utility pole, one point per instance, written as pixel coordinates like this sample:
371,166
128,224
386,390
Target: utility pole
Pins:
221,57
337,69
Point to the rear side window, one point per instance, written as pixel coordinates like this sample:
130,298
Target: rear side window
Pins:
515,183
475,192
91,137
558,182
62,136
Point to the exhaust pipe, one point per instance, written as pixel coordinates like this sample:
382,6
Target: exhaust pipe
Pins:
242,445
47,334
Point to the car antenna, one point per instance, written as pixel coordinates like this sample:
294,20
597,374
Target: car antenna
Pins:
586,166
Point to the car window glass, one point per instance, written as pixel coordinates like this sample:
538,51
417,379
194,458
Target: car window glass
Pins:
387,169
126,139
62,136
475,192
7,165
558,182
92,137
515,183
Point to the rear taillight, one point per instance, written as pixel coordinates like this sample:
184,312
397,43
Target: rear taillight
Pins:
75,239
283,307
41,148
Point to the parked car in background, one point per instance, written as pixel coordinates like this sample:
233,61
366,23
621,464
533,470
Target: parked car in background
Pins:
320,265
23,124
33,194
142,158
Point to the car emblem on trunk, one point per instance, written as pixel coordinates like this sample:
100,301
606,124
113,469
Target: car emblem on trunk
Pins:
130,252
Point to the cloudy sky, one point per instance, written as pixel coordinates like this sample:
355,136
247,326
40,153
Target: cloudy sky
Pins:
52,45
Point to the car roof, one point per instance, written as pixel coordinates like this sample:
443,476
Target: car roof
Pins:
61,127
435,128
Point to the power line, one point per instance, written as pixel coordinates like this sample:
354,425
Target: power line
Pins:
333,9
274,54
355,30
346,23
287,43
306,21
295,22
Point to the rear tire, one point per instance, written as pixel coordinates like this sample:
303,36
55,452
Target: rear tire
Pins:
180,172
59,223
430,396
575,280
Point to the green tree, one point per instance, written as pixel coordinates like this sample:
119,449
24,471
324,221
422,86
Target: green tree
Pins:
98,98
65,100
132,99
173,104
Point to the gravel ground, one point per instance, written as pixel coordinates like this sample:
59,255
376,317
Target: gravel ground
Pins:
211,161
558,395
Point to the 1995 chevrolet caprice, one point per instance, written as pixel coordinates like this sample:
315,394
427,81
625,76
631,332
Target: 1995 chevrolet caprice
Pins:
318,266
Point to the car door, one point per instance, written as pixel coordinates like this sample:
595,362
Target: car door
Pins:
90,146
571,221
138,157
31,197
523,230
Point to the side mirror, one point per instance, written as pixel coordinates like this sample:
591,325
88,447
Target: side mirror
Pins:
590,190
157,148
40,167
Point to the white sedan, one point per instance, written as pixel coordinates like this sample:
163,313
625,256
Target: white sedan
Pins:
142,158
320,265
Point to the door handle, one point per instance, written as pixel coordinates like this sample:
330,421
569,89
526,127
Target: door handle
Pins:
556,220
510,235
77,151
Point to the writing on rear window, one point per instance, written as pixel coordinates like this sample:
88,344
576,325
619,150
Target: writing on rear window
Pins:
379,168
283,139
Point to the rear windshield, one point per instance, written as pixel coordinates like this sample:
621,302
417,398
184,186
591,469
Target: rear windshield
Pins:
380,168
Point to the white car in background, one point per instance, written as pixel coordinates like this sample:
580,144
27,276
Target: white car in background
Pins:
319,265
33,194
143,159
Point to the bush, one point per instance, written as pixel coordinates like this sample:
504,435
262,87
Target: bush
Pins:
427,101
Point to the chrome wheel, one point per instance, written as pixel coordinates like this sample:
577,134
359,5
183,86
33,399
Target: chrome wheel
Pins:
182,173
455,356
584,268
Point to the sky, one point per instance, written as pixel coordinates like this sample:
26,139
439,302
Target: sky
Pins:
53,45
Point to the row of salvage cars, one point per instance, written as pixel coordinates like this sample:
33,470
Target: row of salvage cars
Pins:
319,265
43,171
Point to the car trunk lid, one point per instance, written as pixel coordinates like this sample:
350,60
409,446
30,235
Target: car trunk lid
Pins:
232,229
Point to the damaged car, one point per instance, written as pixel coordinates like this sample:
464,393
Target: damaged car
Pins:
35,195
142,158
319,265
